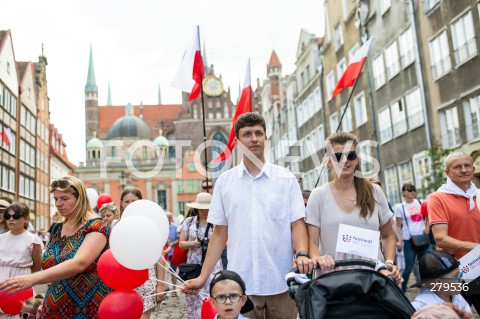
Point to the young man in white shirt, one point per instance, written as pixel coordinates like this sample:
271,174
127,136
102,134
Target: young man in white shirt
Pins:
259,208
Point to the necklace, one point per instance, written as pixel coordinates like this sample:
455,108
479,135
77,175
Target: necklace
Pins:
354,201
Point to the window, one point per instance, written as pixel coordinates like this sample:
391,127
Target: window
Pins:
421,167
398,118
225,111
330,85
429,4
413,104
360,109
352,52
385,125
333,122
338,37
162,198
385,5
472,117
341,66
366,153
347,125
307,73
450,128
210,110
463,37
391,60
391,184
378,72
407,47
218,108
440,55
195,111
405,173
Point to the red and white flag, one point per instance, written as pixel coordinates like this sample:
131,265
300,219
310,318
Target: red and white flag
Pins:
353,69
244,105
7,136
190,73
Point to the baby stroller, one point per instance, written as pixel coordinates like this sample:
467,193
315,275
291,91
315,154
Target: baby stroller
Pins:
350,293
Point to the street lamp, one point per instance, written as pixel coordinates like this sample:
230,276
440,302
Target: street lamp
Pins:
122,180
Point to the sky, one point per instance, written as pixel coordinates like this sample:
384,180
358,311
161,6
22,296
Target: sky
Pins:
138,46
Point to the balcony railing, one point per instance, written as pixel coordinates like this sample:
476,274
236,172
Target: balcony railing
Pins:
473,131
466,51
451,139
441,67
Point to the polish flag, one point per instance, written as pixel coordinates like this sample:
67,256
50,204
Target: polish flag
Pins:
244,105
190,73
353,69
7,136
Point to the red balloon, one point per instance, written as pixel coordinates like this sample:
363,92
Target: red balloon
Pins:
103,199
208,312
121,304
424,208
116,276
12,304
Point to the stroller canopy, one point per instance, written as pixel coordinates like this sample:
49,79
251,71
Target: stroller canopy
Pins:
352,293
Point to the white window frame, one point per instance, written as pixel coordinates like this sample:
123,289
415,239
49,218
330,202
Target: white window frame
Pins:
361,116
450,128
399,117
463,38
378,67
384,6
347,122
385,125
333,120
338,37
422,164
406,45
392,64
391,185
471,110
413,105
341,67
330,84
440,55
405,173
352,52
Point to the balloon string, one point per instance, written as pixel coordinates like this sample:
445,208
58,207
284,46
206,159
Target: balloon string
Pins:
163,293
200,293
170,270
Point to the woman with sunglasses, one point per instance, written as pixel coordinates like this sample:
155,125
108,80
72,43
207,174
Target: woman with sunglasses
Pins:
150,287
20,250
70,259
351,200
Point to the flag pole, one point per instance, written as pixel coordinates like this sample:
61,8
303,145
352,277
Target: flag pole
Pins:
340,123
203,117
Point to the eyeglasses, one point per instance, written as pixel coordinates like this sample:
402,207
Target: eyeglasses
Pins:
221,299
15,216
27,315
458,278
350,156
207,186
61,183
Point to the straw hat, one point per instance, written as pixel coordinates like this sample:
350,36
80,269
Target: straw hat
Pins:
202,202
4,204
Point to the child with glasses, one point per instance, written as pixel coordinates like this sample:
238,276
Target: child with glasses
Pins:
31,307
20,250
441,281
227,295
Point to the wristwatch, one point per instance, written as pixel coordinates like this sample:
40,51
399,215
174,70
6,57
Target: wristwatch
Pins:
302,253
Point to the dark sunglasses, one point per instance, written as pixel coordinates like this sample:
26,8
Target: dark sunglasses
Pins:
15,216
410,189
26,315
61,183
350,156
207,186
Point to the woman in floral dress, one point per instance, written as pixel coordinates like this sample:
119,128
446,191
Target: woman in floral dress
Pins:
193,232
70,260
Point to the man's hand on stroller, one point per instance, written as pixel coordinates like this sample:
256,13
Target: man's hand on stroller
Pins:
392,271
193,286
304,264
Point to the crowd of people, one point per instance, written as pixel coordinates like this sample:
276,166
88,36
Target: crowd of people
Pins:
259,211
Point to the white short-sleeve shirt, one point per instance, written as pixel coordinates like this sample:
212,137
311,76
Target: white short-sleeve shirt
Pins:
259,212
427,297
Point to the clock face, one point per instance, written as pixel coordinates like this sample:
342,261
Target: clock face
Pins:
212,86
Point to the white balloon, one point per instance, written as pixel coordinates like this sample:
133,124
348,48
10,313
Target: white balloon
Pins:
134,243
151,210
92,197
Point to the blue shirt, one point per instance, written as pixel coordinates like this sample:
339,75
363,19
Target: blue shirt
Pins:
172,236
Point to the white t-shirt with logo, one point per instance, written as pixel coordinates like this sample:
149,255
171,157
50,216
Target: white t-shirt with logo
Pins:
413,213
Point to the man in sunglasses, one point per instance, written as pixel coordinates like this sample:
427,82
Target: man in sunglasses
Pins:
454,215
207,186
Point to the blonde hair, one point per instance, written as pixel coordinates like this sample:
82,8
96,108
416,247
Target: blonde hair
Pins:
32,304
363,187
77,189
110,207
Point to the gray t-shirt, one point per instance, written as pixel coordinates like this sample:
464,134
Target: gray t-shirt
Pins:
324,212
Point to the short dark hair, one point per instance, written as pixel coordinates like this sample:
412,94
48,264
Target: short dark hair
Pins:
249,119
409,187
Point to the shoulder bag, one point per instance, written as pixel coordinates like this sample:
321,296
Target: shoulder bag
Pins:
419,242
192,271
